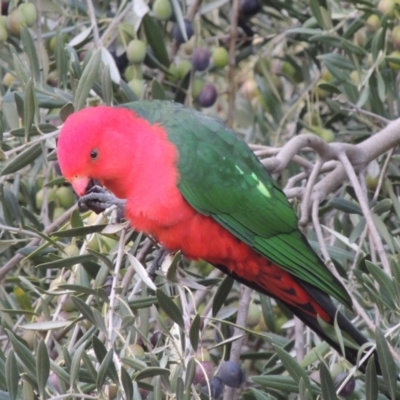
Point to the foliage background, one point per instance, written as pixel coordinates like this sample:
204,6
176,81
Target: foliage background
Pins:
79,317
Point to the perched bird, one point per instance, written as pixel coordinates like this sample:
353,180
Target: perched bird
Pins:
192,184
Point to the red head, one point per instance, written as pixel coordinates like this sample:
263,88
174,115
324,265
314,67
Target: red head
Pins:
96,143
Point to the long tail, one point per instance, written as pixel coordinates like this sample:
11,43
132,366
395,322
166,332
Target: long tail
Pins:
344,324
304,314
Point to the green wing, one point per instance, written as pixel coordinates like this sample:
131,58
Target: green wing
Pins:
221,177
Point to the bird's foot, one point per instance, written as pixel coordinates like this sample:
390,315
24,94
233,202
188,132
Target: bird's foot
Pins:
157,262
99,199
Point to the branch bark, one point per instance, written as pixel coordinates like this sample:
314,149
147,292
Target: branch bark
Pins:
359,155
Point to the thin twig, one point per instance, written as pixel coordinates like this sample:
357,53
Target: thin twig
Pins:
355,109
200,295
243,308
127,279
356,305
366,210
8,266
367,355
114,22
232,62
93,21
31,142
382,174
299,339
305,204
113,302
19,231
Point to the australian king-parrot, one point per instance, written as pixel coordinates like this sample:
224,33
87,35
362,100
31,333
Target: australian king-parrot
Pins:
192,184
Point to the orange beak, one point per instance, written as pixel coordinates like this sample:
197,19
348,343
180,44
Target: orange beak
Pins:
80,184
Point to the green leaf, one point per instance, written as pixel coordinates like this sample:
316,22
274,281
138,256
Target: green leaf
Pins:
42,367
24,354
170,308
20,70
195,331
157,92
179,18
142,302
22,159
30,106
62,58
339,336
99,320
385,282
259,395
79,289
11,203
378,42
76,220
222,293
345,205
155,37
84,309
291,365
179,388
364,95
180,95
59,371
46,325
227,341
66,111
32,218
31,51
66,262
19,102
383,231
172,269
76,365
388,366
382,206
99,349
327,385
87,80
371,381
127,385
141,271
105,370
27,390
89,366
337,61
316,10
126,93
285,383
190,372
304,393
12,375
150,372
83,231
106,85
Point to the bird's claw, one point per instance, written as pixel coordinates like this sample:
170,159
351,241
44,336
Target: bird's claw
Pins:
99,199
156,263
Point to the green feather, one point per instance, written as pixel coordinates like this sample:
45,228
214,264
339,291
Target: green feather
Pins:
221,177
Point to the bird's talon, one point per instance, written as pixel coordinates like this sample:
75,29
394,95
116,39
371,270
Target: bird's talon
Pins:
156,263
98,200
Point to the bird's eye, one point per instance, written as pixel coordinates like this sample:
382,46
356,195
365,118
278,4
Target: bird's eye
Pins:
94,154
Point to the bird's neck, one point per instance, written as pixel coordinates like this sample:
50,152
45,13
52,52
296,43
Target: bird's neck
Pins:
149,165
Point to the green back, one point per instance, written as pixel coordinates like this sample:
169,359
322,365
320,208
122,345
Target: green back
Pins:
221,177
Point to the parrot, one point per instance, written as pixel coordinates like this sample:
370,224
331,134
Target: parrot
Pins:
194,185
